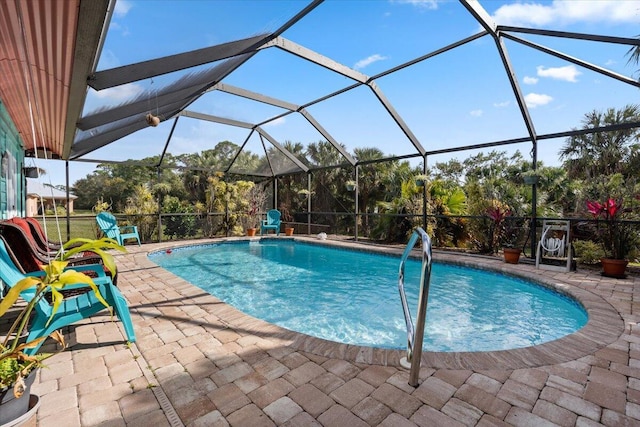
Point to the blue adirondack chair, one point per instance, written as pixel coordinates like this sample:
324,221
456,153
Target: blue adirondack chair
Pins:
271,223
73,308
109,226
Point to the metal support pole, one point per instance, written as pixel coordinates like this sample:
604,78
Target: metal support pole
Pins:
357,194
66,172
226,212
309,204
159,209
424,195
534,201
275,193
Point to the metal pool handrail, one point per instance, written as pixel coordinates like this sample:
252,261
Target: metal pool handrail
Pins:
415,335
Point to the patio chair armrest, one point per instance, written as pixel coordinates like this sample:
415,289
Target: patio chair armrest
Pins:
98,269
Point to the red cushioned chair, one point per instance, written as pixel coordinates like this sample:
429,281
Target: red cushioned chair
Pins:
29,258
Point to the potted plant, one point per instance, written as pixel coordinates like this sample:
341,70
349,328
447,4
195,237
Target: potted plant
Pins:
17,368
513,230
506,232
256,198
350,185
420,180
617,237
530,177
286,218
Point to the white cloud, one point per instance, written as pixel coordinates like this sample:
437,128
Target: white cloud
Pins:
501,104
563,12
368,61
108,60
122,8
476,113
530,80
120,93
610,62
423,4
534,100
114,26
568,73
277,122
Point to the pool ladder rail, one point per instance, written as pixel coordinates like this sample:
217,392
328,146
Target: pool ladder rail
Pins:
415,335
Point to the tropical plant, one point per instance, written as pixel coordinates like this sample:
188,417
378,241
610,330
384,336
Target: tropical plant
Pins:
142,210
396,223
587,251
590,155
256,200
498,214
618,238
446,202
179,226
15,364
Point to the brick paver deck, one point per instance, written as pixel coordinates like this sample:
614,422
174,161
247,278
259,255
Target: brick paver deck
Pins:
199,362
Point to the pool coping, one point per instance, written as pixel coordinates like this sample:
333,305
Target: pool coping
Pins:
604,326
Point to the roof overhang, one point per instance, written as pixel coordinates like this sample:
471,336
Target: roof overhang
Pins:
47,51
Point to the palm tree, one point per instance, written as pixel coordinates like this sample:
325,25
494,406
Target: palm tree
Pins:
634,55
320,154
370,179
290,184
602,153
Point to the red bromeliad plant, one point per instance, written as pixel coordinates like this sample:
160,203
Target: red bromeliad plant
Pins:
498,215
618,238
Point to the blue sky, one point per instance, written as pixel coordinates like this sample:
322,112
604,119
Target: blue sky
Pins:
461,97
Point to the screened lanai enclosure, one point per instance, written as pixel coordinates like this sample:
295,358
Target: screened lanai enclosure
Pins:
332,108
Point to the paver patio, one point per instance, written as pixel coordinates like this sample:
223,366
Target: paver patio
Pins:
199,362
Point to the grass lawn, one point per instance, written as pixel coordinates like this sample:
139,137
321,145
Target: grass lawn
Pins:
81,225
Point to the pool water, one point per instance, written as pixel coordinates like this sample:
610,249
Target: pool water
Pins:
352,296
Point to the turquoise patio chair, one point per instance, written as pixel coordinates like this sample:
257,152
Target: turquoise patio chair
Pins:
272,222
109,226
78,306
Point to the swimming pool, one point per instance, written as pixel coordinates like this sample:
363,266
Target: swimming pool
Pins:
351,296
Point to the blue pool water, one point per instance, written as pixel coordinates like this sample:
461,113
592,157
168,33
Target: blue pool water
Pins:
352,296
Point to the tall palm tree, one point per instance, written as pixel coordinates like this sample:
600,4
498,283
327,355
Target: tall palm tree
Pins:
634,55
370,178
601,153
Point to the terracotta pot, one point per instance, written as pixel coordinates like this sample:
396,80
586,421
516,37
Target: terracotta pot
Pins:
614,267
251,232
288,231
512,255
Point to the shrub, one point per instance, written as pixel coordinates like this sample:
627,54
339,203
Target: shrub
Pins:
589,252
179,226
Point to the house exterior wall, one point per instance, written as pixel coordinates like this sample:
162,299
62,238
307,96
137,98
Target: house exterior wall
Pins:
33,205
12,180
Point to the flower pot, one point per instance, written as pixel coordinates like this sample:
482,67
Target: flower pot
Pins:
251,232
614,267
288,231
531,179
28,419
12,408
511,255
350,187
420,182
